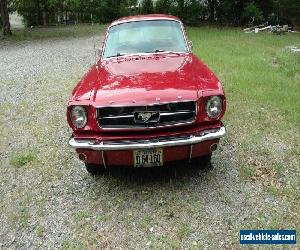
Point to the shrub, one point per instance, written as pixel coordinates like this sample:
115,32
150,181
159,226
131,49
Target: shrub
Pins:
147,7
252,15
163,6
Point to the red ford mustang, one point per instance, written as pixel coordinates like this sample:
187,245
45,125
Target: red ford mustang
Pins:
148,100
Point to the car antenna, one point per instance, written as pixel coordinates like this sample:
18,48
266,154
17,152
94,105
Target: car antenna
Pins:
95,53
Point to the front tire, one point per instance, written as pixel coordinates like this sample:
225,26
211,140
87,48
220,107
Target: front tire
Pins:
94,169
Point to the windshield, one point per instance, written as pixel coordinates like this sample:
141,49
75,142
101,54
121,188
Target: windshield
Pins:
144,37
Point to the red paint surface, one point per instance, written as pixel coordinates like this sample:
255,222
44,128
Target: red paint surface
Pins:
125,158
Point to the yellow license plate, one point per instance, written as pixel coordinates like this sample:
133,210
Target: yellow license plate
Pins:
148,157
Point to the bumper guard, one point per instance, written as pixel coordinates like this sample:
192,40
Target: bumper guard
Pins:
148,144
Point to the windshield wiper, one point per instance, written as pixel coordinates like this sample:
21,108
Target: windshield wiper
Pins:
166,51
116,55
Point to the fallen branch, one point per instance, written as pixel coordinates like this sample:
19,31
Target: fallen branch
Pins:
275,29
254,27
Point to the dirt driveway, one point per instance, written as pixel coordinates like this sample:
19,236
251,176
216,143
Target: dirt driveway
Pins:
48,200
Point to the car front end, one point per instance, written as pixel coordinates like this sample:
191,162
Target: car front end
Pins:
146,109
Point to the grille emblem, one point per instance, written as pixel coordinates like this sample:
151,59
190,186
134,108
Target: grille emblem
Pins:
146,117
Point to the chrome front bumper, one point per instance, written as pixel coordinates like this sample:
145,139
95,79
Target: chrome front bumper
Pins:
147,144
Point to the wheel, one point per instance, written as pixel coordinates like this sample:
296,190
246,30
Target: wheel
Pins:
202,162
94,169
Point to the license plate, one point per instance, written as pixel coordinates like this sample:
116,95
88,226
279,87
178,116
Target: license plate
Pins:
148,158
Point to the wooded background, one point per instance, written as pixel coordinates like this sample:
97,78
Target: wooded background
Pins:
192,12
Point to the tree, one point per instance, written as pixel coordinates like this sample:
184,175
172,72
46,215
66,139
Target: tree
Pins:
252,15
266,6
194,13
147,7
231,12
191,12
212,5
31,10
6,30
163,6
289,9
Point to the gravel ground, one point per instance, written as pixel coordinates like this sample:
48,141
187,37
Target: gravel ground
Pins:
51,202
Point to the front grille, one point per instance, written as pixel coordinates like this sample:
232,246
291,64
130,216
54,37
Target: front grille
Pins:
125,117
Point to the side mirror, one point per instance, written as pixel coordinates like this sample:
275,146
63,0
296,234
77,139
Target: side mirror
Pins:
191,45
100,52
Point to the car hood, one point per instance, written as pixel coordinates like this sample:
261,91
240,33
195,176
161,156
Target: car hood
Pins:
145,80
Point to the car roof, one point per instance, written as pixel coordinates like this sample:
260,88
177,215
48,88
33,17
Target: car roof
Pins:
143,18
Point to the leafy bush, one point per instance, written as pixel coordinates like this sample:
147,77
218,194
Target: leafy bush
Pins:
163,6
195,12
147,7
252,15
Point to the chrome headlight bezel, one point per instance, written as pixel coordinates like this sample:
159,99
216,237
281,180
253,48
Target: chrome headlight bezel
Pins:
78,116
214,107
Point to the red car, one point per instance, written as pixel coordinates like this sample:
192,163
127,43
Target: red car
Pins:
148,100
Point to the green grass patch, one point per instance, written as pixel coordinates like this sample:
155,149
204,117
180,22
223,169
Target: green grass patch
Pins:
165,242
20,217
183,231
62,31
82,215
290,192
261,79
255,68
22,159
247,172
40,231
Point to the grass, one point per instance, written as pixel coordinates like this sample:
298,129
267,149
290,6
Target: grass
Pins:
256,69
22,159
40,231
81,215
183,230
247,172
261,78
20,217
62,31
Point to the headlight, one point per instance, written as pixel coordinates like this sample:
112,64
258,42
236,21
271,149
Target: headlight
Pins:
214,107
78,116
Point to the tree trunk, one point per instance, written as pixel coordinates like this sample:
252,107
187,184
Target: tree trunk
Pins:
5,18
212,8
46,14
45,18
39,13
